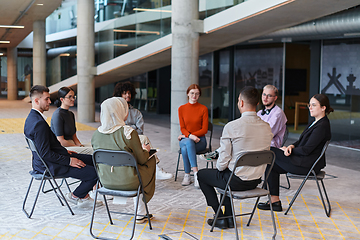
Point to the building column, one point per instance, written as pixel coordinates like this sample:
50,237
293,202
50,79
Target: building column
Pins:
39,53
85,61
184,59
12,92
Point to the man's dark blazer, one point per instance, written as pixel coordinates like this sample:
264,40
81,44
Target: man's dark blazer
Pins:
49,148
309,146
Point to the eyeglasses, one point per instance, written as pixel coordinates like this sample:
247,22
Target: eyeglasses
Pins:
312,105
196,94
71,97
267,95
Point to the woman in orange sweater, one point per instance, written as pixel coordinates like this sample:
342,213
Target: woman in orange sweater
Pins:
193,118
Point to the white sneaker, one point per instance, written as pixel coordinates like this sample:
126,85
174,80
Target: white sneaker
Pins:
88,203
69,197
196,182
186,181
161,174
92,195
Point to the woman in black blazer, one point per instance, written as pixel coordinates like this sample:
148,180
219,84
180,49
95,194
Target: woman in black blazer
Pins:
298,157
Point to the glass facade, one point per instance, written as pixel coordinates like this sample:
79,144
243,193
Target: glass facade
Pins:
340,74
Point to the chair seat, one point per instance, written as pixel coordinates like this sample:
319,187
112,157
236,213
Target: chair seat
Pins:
38,176
320,176
246,194
119,193
206,150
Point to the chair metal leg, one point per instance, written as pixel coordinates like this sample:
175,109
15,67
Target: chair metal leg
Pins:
36,198
272,216
327,209
53,189
147,211
253,211
233,214
177,167
297,193
288,183
218,211
62,196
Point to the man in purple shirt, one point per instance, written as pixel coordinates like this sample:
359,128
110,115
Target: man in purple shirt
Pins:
273,115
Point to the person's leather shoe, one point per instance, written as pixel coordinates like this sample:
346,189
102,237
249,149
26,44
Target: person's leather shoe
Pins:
220,223
230,222
266,206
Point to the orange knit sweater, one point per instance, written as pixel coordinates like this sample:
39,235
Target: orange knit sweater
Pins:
193,119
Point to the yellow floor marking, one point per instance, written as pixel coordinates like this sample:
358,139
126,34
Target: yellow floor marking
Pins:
184,225
204,222
312,217
87,225
142,231
297,223
16,125
166,222
279,225
348,217
262,234
241,222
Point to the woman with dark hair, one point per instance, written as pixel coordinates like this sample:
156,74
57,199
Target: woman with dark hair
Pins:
63,122
193,118
299,157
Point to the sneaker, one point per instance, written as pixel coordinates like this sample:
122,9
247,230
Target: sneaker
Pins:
211,155
88,203
69,197
161,174
203,158
92,195
186,181
143,219
196,182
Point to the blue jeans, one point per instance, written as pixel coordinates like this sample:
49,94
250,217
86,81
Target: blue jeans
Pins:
189,149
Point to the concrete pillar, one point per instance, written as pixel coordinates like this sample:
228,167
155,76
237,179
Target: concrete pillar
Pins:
85,60
184,59
39,53
12,92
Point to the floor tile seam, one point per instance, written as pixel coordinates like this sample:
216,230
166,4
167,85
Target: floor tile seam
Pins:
312,216
348,218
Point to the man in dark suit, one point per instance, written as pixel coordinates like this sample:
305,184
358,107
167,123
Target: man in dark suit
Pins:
60,161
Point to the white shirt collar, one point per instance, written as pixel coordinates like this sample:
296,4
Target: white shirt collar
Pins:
44,117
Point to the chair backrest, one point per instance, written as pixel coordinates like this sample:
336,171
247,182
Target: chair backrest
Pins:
33,148
115,158
210,129
254,159
321,155
285,137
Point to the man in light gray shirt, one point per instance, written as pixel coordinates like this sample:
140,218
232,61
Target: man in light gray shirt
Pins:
247,133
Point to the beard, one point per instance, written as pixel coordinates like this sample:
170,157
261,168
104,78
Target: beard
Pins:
269,104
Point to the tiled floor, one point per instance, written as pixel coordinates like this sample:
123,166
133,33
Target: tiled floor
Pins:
180,212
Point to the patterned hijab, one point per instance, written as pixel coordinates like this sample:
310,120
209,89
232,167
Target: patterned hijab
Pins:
112,116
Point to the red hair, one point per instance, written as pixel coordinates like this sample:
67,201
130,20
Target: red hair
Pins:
193,86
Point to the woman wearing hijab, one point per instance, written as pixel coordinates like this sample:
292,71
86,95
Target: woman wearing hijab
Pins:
114,134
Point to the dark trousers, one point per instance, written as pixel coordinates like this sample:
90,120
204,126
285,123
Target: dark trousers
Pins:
282,165
86,175
210,178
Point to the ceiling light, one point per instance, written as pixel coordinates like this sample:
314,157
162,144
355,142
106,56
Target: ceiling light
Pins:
260,40
1,54
4,41
40,4
64,55
137,31
352,34
151,10
120,45
10,26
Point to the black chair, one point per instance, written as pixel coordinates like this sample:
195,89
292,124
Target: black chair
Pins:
43,177
252,159
206,150
114,158
312,176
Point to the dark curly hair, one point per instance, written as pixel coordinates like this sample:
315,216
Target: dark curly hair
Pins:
122,87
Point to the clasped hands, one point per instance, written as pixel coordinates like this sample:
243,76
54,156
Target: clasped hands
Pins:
74,162
287,150
192,137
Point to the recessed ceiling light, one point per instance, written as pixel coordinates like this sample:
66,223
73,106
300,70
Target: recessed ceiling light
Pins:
1,54
40,4
4,41
10,26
